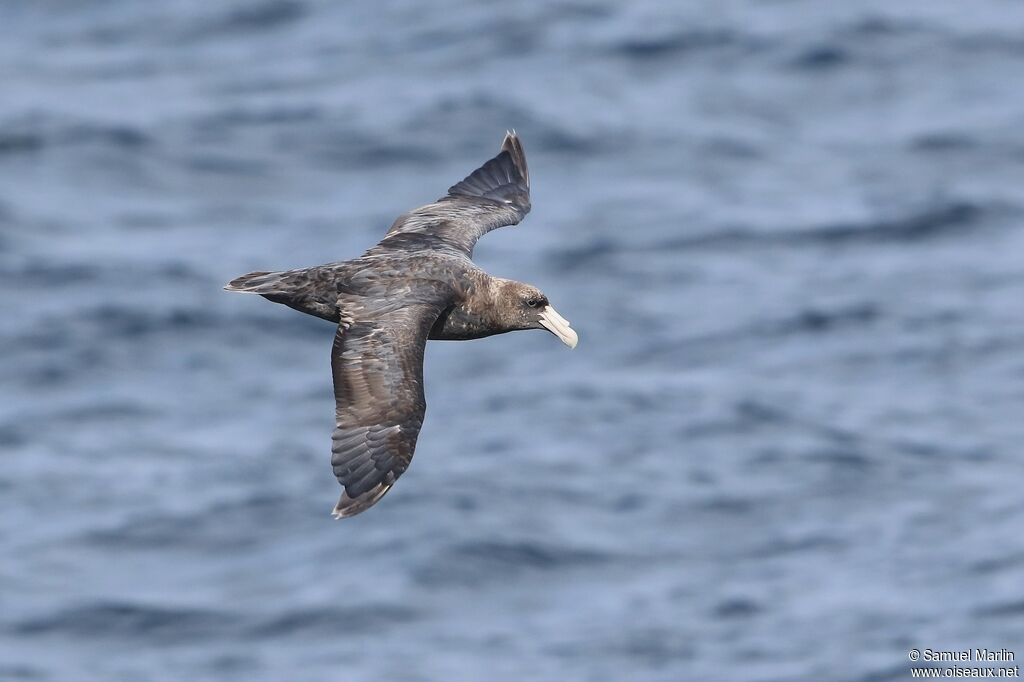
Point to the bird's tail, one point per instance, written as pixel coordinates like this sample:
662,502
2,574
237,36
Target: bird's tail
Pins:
257,283
299,289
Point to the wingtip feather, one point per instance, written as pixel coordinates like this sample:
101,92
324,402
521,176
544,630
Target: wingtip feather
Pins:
349,506
501,177
514,146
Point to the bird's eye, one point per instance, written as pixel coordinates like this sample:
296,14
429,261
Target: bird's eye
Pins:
533,302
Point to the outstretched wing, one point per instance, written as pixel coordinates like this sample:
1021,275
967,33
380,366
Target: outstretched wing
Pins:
377,364
494,195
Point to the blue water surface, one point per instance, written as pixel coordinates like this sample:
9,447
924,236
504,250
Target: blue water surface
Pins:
788,446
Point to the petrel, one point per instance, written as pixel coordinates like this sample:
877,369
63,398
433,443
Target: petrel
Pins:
417,283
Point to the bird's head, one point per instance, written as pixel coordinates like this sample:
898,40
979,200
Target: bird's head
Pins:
528,308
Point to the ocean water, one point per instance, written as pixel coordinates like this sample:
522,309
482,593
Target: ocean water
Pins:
788,447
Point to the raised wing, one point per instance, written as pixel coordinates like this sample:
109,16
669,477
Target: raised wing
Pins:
494,195
377,364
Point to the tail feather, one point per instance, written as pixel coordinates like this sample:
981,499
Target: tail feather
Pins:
310,290
257,283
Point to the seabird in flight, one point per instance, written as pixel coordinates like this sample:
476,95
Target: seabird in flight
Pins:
417,283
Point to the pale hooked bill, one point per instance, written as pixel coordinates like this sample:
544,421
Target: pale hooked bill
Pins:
559,326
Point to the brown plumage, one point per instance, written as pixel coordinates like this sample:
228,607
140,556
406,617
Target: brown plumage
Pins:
418,282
